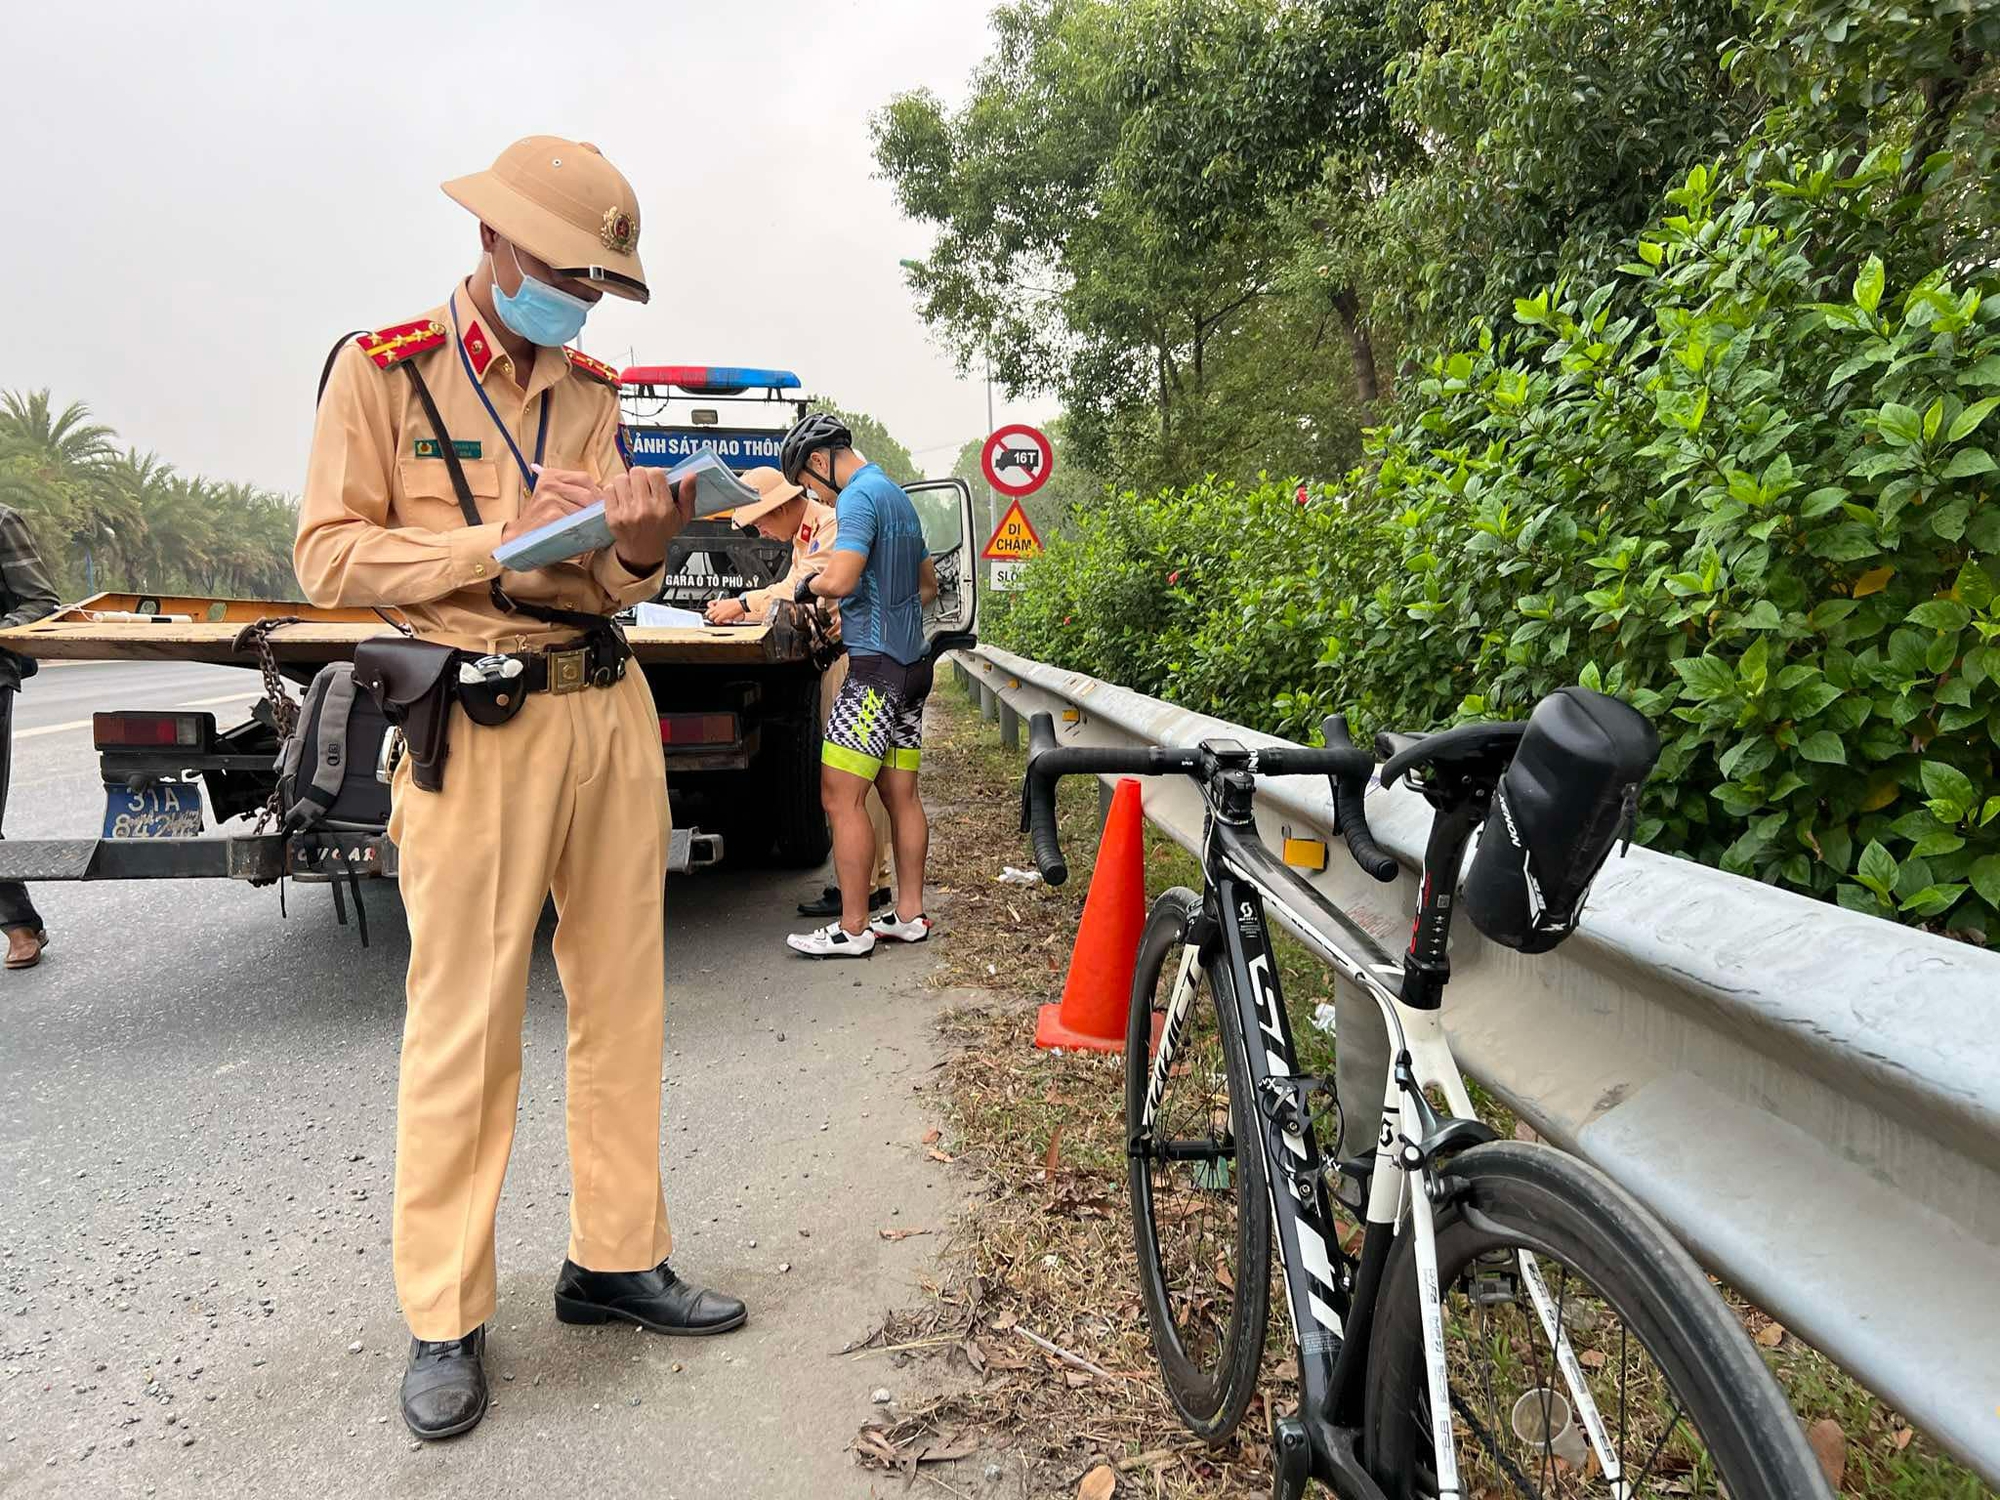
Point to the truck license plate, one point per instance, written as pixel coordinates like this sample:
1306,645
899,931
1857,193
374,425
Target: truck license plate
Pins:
165,810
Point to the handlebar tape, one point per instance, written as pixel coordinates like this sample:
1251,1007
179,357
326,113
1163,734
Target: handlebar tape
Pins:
1038,801
1350,813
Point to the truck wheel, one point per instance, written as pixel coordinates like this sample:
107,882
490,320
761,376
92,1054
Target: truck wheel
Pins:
788,777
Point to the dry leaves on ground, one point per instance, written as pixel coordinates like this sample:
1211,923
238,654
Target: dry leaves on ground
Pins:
1829,1445
904,1444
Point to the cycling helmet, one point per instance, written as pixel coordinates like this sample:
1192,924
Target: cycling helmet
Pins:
812,433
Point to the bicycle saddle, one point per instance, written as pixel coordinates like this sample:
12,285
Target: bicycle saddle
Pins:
1464,746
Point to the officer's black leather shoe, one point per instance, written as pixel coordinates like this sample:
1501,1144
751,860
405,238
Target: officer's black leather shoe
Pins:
827,903
655,1299
444,1388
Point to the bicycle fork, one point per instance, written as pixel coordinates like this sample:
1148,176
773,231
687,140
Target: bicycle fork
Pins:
1412,1136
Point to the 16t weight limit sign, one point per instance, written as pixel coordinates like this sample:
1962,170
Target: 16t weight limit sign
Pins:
1018,460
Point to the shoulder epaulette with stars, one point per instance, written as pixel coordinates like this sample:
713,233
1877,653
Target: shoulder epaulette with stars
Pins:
388,346
596,369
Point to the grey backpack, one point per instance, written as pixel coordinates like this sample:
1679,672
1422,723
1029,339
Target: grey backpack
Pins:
326,767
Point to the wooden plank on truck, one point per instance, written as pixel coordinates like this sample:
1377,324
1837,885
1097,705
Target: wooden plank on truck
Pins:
167,627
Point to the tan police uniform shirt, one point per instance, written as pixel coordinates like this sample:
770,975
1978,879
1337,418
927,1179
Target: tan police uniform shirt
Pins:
379,524
810,550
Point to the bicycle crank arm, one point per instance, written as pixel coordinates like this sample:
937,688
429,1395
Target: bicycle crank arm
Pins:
1292,1455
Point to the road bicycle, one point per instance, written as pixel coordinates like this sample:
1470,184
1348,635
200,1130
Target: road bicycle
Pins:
1509,1321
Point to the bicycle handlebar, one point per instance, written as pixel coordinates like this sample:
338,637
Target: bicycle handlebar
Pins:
1345,765
1047,764
1350,812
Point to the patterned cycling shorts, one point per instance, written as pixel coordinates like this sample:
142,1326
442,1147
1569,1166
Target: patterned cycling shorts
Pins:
877,718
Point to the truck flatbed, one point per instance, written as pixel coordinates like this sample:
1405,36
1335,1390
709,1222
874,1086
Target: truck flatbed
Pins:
157,627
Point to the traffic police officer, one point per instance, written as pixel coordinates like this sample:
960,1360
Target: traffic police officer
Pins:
783,512
567,796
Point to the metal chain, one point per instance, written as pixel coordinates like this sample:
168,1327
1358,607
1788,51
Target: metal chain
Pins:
256,637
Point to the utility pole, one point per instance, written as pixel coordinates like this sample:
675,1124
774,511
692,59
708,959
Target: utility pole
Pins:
992,497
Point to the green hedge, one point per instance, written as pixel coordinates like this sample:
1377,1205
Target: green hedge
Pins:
1750,487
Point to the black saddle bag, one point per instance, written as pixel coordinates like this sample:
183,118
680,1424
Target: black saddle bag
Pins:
1570,795
414,683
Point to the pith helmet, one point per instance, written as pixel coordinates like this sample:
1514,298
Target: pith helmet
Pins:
562,202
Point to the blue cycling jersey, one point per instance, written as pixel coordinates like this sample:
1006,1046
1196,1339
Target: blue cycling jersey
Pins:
884,616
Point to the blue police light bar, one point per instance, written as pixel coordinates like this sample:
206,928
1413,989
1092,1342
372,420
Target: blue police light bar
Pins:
709,380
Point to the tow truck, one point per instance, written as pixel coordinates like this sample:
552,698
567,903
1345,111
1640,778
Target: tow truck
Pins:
738,704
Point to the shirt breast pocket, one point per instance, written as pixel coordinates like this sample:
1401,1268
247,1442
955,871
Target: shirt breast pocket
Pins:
425,497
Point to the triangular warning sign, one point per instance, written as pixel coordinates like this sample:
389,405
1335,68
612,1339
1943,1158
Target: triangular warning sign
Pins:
1014,538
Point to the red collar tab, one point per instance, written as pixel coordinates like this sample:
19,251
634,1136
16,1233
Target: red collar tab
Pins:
478,348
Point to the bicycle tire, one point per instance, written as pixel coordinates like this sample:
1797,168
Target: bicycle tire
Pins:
1210,1404
1517,1196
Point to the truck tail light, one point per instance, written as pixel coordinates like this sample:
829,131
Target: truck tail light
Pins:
139,729
686,731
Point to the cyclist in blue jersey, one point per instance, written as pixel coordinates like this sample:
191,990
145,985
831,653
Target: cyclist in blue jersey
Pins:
881,573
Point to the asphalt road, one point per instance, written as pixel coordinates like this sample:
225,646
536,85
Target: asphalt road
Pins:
196,1136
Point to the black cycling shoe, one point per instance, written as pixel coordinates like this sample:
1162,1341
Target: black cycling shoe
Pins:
444,1387
828,902
655,1299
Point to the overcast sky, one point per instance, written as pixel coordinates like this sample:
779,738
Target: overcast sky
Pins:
200,198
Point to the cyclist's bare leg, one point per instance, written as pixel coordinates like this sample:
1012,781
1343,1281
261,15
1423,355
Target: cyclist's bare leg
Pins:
911,834
843,795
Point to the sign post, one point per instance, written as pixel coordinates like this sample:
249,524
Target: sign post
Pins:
1017,460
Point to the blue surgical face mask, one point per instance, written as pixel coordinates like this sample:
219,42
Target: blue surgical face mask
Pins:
540,313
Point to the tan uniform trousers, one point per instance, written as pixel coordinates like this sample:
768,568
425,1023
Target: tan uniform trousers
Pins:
878,815
569,797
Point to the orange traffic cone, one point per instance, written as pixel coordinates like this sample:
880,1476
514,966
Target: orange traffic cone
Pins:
1099,987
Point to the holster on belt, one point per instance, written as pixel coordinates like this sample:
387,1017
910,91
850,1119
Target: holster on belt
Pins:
414,683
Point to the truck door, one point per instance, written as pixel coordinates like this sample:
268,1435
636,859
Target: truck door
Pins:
945,507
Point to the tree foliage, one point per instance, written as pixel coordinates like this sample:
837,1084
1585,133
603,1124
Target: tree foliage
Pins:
1114,204
1747,476
128,518
1550,130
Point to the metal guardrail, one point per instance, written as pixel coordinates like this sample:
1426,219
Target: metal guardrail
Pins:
1809,1097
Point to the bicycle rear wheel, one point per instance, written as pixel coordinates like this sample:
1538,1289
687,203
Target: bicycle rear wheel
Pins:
1200,1205
1576,1329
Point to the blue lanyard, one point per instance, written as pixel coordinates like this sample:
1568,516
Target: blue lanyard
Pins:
541,432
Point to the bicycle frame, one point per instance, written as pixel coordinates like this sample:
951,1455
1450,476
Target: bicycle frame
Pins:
1330,1295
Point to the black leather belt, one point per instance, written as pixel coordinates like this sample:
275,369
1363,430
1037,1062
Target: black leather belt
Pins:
595,661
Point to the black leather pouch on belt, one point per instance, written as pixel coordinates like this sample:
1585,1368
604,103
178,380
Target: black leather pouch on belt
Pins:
414,682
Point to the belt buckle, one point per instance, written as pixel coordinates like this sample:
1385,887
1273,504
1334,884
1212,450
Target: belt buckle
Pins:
569,671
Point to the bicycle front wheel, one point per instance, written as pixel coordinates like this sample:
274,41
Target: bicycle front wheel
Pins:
1201,1221
1587,1353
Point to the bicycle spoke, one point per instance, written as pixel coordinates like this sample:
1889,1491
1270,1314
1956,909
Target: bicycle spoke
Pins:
1518,1401
1624,1369
1672,1423
1535,1355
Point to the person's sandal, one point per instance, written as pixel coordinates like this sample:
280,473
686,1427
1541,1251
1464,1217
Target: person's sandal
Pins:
24,947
